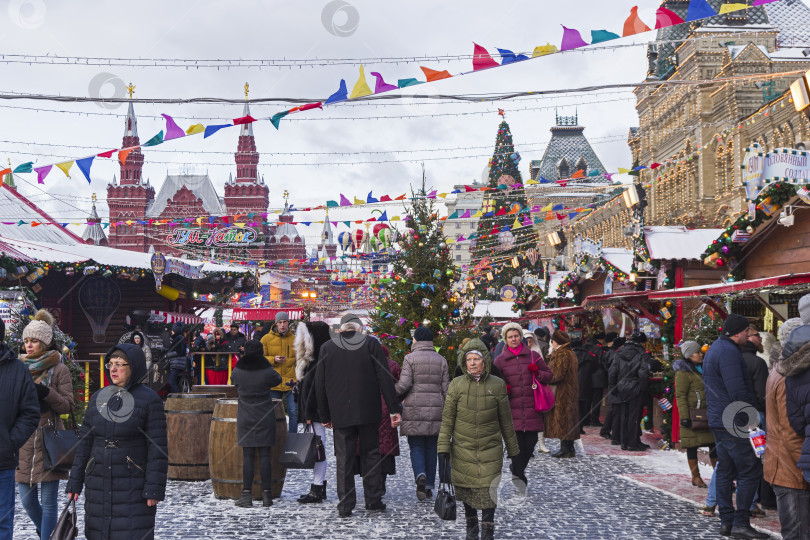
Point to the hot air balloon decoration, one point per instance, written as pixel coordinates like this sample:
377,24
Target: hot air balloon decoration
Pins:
506,240
99,298
382,233
345,241
359,238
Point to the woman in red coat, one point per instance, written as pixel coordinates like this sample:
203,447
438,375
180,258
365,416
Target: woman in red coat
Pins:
520,367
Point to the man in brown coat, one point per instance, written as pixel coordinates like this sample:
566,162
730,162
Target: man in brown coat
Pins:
783,451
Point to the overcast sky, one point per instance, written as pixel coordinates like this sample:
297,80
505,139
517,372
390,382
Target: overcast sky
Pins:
208,29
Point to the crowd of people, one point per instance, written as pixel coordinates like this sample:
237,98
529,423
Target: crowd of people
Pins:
346,382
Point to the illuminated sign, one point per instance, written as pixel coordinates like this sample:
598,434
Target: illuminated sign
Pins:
230,237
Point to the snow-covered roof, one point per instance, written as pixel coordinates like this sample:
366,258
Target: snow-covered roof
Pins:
94,231
288,230
14,207
107,256
678,242
199,184
497,310
555,279
619,257
734,50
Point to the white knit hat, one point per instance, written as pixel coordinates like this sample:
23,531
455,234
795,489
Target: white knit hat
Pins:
511,326
41,328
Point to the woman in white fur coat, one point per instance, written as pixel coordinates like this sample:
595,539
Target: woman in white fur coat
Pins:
309,336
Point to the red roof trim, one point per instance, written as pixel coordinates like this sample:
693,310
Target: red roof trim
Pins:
41,212
726,288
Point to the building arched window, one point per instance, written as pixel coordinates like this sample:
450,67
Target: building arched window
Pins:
581,166
564,169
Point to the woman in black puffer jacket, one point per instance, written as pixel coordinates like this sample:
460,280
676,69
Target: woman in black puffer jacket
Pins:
121,457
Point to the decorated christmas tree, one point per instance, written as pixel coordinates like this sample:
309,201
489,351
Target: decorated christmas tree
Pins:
505,249
423,290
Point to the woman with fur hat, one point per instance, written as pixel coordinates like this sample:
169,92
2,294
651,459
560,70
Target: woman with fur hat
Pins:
38,487
253,376
309,336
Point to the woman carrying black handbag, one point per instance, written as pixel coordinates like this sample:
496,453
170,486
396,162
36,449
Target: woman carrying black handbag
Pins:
39,487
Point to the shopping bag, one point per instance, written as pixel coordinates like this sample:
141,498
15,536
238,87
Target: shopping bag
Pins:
66,528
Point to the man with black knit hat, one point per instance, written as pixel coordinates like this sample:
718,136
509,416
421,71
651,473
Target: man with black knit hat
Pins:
628,379
730,400
19,418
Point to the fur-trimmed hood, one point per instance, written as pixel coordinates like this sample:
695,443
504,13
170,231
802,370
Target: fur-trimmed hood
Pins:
309,336
795,363
682,364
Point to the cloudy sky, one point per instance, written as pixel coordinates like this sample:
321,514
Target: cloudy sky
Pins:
317,154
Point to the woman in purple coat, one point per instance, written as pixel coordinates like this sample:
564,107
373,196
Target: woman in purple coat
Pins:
519,367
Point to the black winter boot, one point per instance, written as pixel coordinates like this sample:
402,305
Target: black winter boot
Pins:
245,500
488,524
472,528
267,498
316,494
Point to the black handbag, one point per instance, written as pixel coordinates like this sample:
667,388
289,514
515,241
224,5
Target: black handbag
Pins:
66,528
301,450
58,446
445,505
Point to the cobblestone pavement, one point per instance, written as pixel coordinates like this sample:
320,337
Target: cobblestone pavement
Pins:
581,498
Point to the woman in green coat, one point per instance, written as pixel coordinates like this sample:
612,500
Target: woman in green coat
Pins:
690,394
476,422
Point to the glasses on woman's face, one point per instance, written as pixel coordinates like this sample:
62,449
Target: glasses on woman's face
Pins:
117,365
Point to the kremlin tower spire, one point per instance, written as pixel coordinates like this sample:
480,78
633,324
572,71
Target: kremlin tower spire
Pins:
246,156
132,168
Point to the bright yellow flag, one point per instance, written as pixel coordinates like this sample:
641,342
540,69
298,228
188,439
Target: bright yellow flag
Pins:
728,8
531,182
196,128
65,167
546,208
516,224
361,86
394,218
359,201
543,50
442,195
240,225
478,214
622,170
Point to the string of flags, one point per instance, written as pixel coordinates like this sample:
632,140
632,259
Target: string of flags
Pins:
482,60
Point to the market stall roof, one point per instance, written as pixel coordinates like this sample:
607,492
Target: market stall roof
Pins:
617,297
678,242
265,314
556,278
171,317
497,310
16,207
786,280
107,256
552,312
619,257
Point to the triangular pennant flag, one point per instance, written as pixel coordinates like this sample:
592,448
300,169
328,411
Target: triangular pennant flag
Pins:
546,208
454,215
385,198
154,141
433,75
84,165
700,9
481,58
557,207
465,215
344,201
309,106
341,95
196,128
665,17
42,172
579,174
622,170
634,25
402,83
371,199
243,120
728,8
276,119
563,183
380,85
508,57
383,216
24,167
594,172
361,88
173,131
571,39
572,215
210,130
517,224
598,36
122,154
107,154
762,2
359,201
400,198
543,50
331,204
65,167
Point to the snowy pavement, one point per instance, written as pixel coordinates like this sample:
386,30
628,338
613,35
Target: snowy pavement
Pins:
593,497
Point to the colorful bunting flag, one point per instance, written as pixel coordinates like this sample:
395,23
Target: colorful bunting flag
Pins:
508,57
634,25
543,50
276,119
65,167
42,172
196,128
665,17
361,88
122,154
762,2
173,131
402,83
370,198
482,58
344,201
341,95
598,36
571,39
433,75
243,120
309,106
210,130
700,9
729,8
380,85
154,141
107,154
84,165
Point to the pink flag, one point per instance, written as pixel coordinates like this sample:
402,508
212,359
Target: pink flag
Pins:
42,172
381,85
762,2
481,58
173,131
107,154
465,215
571,39
243,120
665,17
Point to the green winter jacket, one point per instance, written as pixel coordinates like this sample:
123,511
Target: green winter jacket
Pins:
475,423
690,394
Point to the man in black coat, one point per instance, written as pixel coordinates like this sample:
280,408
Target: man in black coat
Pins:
234,340
586,365
19,418
599,378
630,377
612,342
352,372
178,358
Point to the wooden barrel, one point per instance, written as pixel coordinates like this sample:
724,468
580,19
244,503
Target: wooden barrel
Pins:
225,457
230,391
188,423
